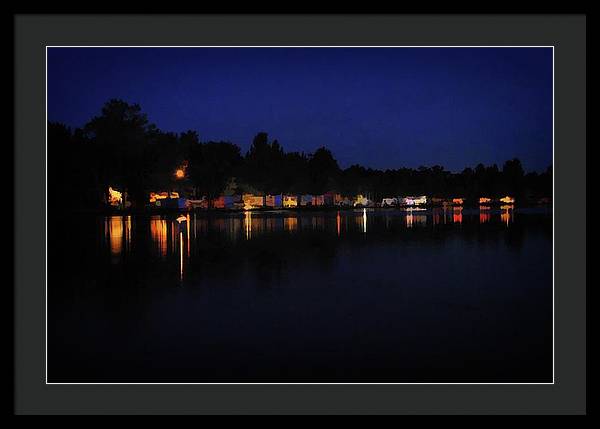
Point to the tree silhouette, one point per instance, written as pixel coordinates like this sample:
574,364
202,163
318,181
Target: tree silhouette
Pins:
122,149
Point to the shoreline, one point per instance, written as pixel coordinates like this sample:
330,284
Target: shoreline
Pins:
304,209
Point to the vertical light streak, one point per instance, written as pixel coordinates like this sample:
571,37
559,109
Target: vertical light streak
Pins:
248,224
181,255
364,220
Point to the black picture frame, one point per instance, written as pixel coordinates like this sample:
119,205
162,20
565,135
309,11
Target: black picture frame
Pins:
567,33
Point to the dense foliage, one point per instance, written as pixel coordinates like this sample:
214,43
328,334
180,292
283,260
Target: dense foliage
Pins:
122,149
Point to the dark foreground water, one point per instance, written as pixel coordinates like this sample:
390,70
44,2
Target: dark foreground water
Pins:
350,296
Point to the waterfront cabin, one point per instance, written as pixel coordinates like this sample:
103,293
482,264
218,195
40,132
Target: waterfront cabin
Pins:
290,201
219,202
361,201
115,198
332,199
306,200
274,201
167,200
507,200
198,204
389,202
223,202
318,200
414,201
345,202
253,201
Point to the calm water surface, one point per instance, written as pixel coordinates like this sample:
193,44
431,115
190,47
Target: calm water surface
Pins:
351,296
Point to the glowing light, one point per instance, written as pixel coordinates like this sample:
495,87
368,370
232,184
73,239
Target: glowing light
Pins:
420,200
360,201
458,201
338,221
414,201
115,234
248,224
179,173
156,197
158,232
457,216
290,223
252,201
484,216
127,233
506,215
115,198
484,200
290,201
507,200
364,219
188,234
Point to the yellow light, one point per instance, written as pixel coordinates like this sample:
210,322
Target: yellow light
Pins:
507,200
507,214
115,197
180,174
248,224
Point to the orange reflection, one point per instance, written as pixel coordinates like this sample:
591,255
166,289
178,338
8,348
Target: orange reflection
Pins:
457,215
248,224
158,232
290,223
415,219
115,234
507,214
484,213
338,221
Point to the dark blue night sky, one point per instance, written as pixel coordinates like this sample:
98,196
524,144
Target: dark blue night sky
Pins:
379,107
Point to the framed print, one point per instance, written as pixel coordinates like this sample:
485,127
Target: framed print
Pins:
294,221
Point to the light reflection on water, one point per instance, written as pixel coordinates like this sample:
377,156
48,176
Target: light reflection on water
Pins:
117,230
199,294
167,236
507,215
457,214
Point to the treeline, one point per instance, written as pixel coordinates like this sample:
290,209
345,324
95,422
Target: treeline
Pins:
122,149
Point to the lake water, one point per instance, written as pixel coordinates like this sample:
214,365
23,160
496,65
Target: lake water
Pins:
369,295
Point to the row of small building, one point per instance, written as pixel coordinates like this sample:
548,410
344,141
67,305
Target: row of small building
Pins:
250,201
